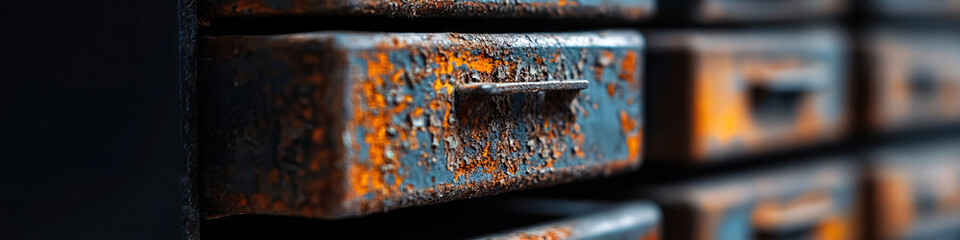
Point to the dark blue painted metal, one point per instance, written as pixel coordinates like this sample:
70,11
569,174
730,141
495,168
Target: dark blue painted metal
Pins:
587,220
729,11
719,95
811,201
344,124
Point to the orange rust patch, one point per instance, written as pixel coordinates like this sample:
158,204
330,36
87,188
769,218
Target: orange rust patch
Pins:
249,6
564,3
556,57
628,67
833,228
376,117
274,176
718,115
555,233
448,61
442,85
652,235
317,135
633,133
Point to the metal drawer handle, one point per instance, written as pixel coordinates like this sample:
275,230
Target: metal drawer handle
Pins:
521,87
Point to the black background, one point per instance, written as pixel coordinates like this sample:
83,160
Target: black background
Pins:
89,120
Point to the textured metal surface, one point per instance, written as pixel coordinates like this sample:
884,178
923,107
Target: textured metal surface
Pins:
814,201
914,78
559,9
629,220
343,124
725,11
726,94
914,8
916,191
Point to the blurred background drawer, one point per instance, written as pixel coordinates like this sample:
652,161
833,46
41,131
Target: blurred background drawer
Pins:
915,191
343,124
586,220
913,8
625,10
714,95
810,201
729,11
500,217
914,78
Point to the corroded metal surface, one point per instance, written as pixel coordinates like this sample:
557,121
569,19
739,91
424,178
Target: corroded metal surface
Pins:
560,9
628,220
343,124
914,8
914,78
723,11
915,191
727,94
814,201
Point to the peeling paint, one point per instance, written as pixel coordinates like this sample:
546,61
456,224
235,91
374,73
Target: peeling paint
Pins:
377,122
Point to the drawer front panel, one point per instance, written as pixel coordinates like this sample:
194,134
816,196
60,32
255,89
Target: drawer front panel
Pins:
628,220
750,93
916,8
916,191
815,201
915,79
343,124
723,11
562,9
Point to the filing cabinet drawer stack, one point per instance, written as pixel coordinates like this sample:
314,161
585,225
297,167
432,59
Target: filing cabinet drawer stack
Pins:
719,94
333,127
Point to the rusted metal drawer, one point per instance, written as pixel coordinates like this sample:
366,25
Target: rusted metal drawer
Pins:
814,201
725,11
914,8
498,217
716,95
341,124
914,78
915,191
557,9
581,219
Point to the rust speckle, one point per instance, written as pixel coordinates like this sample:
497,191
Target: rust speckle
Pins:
555,233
